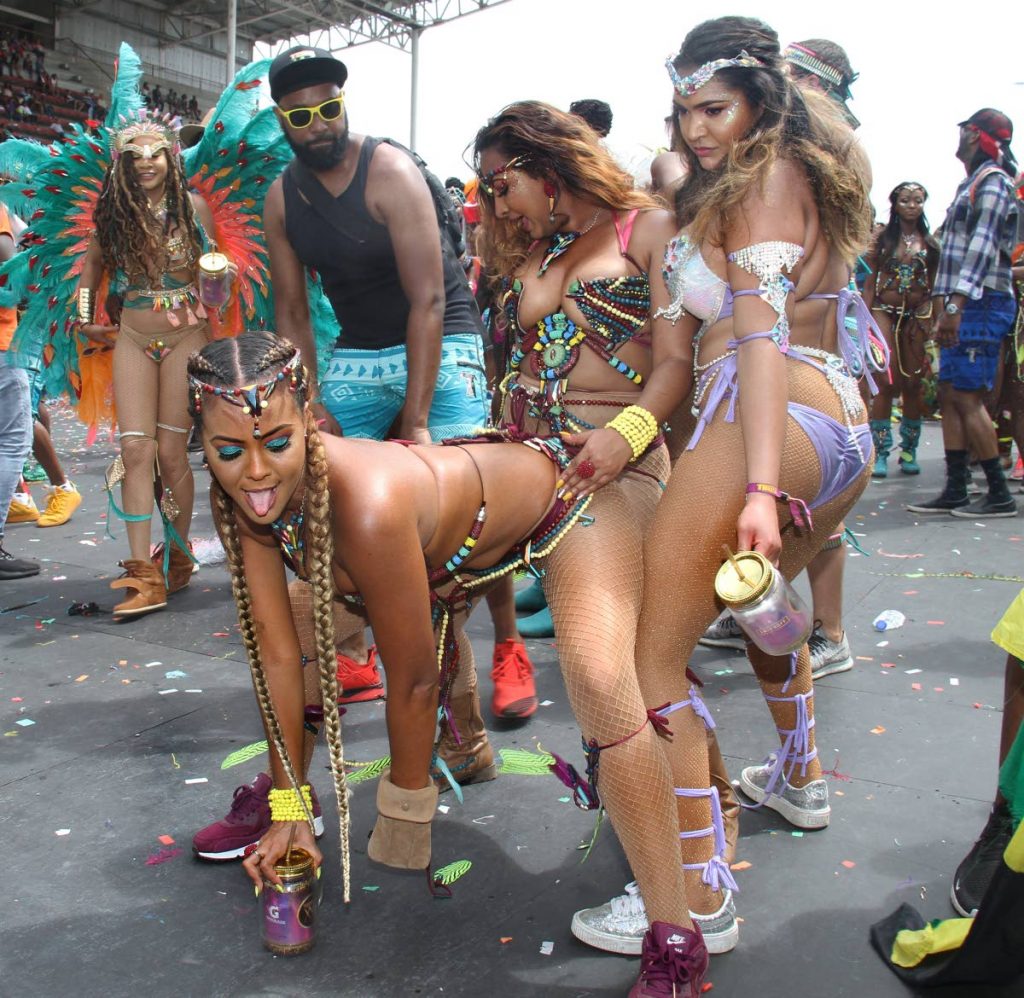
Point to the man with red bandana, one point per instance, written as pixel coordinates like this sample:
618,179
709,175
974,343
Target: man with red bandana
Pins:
976,310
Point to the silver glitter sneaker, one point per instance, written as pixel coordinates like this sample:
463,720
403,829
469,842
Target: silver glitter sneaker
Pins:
805,807
827,656
619,925
724,633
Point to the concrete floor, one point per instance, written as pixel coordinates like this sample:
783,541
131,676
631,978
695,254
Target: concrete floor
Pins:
97,905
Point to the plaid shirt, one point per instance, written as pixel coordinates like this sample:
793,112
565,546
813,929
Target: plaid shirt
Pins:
978,236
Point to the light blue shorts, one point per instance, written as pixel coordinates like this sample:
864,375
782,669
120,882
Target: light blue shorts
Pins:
364,390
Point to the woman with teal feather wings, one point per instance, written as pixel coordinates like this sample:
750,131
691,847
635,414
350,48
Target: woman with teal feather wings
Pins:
119,220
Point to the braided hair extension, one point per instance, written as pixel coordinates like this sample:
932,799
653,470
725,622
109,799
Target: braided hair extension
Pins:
130,237
246,359
228,529
320,530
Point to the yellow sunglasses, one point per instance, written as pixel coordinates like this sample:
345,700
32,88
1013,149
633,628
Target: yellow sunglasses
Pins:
302,117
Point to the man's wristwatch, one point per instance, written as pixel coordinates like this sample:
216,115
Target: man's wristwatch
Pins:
952,308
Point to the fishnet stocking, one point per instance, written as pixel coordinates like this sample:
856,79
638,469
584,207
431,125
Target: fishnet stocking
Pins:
147,393
136,384
682,554
594,586
172,409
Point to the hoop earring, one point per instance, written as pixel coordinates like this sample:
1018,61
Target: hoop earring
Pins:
550,190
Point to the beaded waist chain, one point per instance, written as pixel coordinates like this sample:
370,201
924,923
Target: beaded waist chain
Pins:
171,299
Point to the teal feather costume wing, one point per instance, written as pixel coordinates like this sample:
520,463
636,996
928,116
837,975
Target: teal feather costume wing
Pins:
242,152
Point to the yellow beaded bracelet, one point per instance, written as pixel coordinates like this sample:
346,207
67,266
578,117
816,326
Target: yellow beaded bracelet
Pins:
286,806
637,426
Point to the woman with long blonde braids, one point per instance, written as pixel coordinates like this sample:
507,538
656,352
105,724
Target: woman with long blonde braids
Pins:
445,521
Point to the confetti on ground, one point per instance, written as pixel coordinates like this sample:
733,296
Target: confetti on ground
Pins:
155,859
370,888
939,689
864,658
797,835
447,875
221,634
443,808
546,703
523,762
149,665
505,940
741,865
165,692
915,686
193,691
911,672
879,730
82,678
165,840
953,681
244,754
368,770
890,554
174,761
197,779
910,592
483,819
888,665
936,623
175,674
62,831
547,947
25,722
849,864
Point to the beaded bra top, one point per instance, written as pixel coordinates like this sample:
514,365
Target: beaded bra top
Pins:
693,286
615,308
905,276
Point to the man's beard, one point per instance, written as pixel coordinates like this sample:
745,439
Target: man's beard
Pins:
324,155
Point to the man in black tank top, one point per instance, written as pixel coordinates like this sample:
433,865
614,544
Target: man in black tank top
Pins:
358,211
409,354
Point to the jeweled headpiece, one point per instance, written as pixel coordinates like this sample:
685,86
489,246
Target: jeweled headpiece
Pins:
251,399
810,62
687,86
145,122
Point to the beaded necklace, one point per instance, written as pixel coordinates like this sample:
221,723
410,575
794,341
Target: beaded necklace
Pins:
287,530
561,241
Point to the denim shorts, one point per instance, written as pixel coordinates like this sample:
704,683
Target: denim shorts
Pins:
364,390
972,364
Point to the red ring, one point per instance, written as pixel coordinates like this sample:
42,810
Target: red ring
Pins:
585,469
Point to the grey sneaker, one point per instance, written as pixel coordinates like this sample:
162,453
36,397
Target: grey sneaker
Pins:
827,656
619,925
724,633
806,807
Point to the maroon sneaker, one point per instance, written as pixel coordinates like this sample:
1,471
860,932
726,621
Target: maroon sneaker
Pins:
673,963
246,822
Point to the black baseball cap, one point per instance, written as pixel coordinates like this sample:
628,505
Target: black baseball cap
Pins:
988,119
302,66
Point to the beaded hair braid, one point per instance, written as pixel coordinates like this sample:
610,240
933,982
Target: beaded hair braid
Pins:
204,367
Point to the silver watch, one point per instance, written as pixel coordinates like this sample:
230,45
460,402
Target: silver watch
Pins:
952,308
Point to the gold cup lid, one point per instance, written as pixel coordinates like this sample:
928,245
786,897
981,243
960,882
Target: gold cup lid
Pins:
734,591
213,263
301,862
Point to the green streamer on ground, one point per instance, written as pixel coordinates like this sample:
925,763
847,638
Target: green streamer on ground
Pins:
244,754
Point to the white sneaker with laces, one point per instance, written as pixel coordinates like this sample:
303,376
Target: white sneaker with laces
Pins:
827,656
619,925
724,633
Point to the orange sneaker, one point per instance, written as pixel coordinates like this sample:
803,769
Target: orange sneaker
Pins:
22,509
515,694
359,682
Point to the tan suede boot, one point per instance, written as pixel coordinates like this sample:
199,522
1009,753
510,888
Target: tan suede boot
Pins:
473,760
148,582
401,837
179,567
726,796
